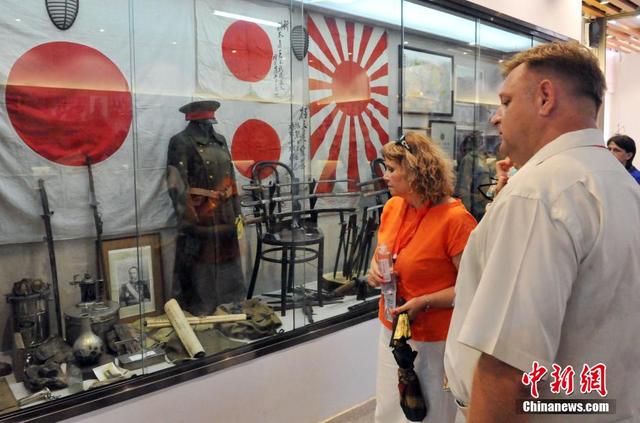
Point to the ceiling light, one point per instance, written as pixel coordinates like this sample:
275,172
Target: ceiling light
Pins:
613,22
246,18
18,19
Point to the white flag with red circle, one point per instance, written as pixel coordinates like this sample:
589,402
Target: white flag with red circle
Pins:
254,132
349,97
69,98
243,50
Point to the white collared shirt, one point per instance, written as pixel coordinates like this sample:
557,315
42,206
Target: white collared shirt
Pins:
552,274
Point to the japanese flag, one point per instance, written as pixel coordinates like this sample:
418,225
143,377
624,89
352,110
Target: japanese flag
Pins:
71,95
349,97
254,132
243,56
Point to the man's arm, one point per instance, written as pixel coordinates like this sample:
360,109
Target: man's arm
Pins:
496,388
502,173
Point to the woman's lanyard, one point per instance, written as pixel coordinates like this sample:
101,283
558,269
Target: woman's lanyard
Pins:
404,238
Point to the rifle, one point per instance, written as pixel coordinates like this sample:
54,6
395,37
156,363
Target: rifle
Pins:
46,217
97,220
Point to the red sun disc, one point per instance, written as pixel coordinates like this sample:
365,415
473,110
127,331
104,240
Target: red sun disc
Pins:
247,52
253,141
67,102
350,88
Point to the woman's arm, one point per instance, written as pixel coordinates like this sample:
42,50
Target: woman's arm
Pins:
374,277
439,299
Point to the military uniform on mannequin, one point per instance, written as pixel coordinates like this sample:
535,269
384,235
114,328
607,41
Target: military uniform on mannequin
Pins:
202,187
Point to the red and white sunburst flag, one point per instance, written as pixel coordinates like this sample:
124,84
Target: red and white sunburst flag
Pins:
348,90
243,50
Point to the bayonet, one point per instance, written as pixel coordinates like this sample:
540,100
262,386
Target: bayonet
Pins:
46,217
97,219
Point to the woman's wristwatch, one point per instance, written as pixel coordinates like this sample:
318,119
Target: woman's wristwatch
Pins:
427,305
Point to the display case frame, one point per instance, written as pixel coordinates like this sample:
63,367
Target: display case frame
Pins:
145,383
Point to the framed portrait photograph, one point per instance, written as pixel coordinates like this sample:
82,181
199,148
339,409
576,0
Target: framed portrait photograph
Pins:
426,82
444,133
133,275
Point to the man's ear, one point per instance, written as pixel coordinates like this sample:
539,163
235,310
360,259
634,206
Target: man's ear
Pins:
547,97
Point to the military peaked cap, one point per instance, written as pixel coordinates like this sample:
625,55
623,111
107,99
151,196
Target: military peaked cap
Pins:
197,110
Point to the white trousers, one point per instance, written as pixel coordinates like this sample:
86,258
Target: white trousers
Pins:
429,366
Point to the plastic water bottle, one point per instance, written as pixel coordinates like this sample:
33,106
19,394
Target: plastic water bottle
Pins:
388,285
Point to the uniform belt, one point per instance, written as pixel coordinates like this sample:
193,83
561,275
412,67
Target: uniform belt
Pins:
211,193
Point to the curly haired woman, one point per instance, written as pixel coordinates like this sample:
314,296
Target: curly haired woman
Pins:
426,231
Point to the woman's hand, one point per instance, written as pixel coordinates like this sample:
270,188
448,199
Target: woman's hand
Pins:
374,277
413,307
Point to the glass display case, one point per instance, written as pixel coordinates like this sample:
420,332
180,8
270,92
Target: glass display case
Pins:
186,181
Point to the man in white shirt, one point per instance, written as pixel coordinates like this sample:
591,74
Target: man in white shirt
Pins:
552,273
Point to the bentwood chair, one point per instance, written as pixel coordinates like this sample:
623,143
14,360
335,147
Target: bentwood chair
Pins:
287,229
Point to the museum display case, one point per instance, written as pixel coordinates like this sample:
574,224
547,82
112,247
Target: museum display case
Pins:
186,185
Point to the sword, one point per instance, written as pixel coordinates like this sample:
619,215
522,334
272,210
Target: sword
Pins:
46,217
97,220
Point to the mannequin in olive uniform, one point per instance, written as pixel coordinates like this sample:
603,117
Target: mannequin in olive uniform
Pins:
201,184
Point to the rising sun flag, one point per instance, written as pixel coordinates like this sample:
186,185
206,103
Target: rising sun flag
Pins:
348,89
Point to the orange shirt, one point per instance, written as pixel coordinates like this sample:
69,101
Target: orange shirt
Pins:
425,240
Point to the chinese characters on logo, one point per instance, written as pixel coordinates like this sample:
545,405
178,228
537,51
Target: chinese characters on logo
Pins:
592,379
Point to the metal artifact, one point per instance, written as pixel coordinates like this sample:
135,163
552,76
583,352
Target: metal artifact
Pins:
97,220
137,360
102,313
88,347
42,395
127,340
30,310
46,217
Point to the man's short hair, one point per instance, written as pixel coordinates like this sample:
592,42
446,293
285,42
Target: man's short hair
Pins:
571,61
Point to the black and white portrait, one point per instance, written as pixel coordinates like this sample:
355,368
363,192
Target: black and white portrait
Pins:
132,280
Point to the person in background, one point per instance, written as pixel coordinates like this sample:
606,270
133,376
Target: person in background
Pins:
624,148
472,173
426,231
550,276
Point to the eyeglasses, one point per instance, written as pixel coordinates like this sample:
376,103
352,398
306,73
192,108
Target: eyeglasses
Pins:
403,143
488,190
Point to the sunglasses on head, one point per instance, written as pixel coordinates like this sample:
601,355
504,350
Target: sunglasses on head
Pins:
403,143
